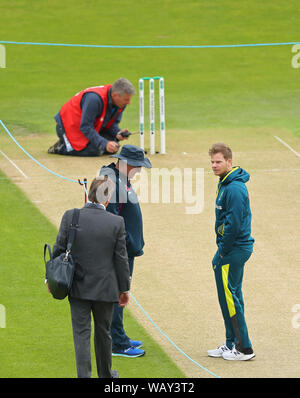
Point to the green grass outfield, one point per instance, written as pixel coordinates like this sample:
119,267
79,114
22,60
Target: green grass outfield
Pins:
231,87
37,340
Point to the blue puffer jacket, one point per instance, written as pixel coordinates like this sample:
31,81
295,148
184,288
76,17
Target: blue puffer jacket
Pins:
233,214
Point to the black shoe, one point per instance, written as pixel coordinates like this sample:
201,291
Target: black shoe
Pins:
56,147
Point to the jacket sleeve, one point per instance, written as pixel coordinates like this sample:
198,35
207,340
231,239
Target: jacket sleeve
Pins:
60,245
121,259
115,128
234,203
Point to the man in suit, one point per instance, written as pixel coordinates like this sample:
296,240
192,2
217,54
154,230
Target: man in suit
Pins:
101,276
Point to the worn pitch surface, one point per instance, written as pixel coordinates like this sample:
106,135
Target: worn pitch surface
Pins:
173,281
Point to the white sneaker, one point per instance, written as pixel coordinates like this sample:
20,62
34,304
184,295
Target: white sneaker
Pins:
218,353
235,355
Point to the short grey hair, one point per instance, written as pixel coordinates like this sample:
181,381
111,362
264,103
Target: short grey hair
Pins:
123,86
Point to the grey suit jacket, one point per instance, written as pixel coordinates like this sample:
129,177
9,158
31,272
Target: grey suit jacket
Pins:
99,250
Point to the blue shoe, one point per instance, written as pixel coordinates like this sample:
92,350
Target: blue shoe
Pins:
129,353
136,343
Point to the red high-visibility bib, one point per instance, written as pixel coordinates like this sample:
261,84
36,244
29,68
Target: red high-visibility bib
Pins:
70,114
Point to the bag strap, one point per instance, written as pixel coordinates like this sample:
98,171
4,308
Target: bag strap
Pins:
49,251
73,228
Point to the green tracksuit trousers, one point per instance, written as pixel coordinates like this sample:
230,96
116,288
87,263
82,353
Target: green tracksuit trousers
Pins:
229,272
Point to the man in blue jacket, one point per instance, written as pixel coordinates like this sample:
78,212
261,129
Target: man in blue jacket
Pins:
235,246
124,202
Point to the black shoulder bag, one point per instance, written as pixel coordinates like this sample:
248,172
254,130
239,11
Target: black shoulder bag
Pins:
60,270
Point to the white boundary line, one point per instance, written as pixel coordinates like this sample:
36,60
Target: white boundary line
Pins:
14,164
287,145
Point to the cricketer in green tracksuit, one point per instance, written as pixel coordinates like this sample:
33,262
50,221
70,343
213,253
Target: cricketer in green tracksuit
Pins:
235,246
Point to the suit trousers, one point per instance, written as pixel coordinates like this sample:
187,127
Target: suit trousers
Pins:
120,340
229,272
81,311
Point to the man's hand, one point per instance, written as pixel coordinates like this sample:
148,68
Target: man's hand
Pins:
120,137
47,285
112,147
123,299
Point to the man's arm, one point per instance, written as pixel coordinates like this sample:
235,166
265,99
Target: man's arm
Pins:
92,107
115,129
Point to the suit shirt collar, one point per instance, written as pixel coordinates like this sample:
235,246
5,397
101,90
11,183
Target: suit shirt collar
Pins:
97,205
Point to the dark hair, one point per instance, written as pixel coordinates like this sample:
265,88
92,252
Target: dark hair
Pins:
101,189
221,148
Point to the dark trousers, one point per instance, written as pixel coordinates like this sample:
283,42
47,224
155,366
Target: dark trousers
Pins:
229,272
89,150
120,340
81,322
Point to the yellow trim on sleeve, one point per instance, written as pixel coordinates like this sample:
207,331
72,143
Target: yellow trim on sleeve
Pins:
228,295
